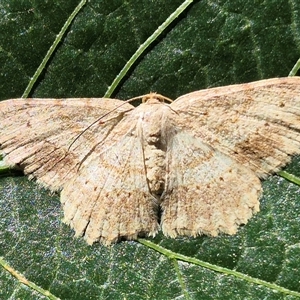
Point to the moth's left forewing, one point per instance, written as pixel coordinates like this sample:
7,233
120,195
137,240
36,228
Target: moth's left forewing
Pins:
36,134
256,123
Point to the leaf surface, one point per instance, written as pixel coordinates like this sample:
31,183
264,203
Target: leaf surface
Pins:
213,43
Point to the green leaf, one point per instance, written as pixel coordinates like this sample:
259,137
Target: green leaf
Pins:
212,43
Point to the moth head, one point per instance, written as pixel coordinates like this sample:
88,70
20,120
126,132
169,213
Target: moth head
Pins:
154,97
151,98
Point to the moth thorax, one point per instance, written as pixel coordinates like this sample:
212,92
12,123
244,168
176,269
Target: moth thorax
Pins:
155,167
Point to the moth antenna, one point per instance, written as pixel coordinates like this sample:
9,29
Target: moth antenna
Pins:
96,121
144,99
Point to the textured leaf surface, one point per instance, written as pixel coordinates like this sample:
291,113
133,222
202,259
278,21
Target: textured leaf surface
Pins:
212,44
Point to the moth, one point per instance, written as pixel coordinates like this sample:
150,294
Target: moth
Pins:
191,167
